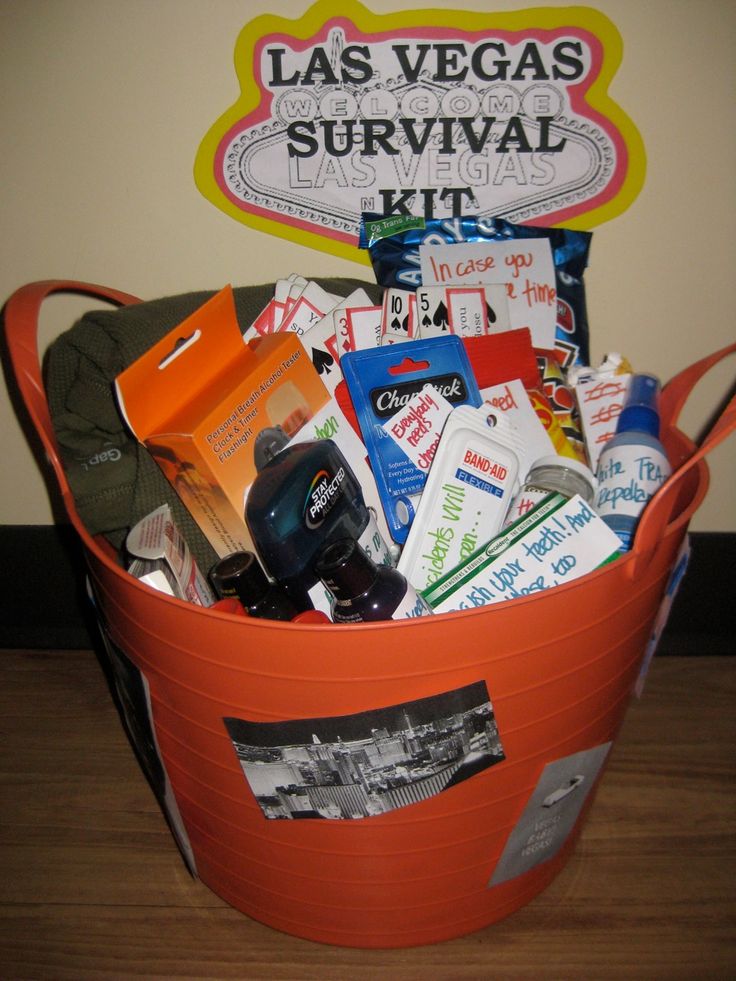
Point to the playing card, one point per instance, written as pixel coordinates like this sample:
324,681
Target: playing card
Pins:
469,311
282,287
311,304
266,321
398,316
358,329
321,342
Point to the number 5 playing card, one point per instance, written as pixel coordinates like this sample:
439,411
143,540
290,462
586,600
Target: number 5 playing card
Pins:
469,311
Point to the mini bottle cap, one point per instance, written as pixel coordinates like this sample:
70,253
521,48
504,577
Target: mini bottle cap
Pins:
311,616
346,569
229,604
240,574
268,443
641,408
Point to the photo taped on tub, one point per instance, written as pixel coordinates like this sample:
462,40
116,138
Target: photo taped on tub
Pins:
369,763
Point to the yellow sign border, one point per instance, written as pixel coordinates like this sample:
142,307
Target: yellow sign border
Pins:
310,23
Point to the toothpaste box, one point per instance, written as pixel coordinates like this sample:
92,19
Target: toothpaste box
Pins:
560,540
199,397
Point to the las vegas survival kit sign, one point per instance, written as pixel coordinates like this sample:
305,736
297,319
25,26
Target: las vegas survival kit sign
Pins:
426,112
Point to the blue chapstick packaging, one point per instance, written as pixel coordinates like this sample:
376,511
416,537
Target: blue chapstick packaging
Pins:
381,381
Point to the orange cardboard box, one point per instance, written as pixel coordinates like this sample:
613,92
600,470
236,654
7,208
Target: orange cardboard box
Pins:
199,397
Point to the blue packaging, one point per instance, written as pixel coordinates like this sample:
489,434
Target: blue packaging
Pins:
380,382
393,245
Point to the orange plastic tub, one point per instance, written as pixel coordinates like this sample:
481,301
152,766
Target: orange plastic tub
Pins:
559,668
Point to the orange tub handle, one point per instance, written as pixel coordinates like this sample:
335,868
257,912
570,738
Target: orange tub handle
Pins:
21,331
674,396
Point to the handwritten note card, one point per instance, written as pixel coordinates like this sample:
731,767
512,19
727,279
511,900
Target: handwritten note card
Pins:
511,399
418,425
555,543
600,401
524,266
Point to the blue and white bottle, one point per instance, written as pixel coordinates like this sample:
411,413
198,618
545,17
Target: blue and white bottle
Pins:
633,463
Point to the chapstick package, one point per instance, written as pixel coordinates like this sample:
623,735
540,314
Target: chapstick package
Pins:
384,380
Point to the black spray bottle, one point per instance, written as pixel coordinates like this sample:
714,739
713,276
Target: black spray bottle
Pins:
304,497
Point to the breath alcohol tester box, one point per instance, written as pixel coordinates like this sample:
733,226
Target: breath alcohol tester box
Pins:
198,398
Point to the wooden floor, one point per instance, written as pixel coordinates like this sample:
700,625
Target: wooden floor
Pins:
92,886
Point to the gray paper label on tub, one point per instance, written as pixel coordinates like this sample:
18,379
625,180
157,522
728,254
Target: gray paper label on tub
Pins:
551,812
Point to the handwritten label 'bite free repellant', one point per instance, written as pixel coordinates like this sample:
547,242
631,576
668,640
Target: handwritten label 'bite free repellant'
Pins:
633,464
626,481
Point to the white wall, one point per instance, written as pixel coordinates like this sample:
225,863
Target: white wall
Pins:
105,103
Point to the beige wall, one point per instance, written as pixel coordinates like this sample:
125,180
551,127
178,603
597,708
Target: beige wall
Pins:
105,103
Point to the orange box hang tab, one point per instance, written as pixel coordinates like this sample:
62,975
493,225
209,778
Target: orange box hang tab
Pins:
199,397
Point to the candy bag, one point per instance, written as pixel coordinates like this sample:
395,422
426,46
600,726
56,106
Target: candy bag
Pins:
393,244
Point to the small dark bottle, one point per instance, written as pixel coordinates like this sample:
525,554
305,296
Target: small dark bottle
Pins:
364,591
240,575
